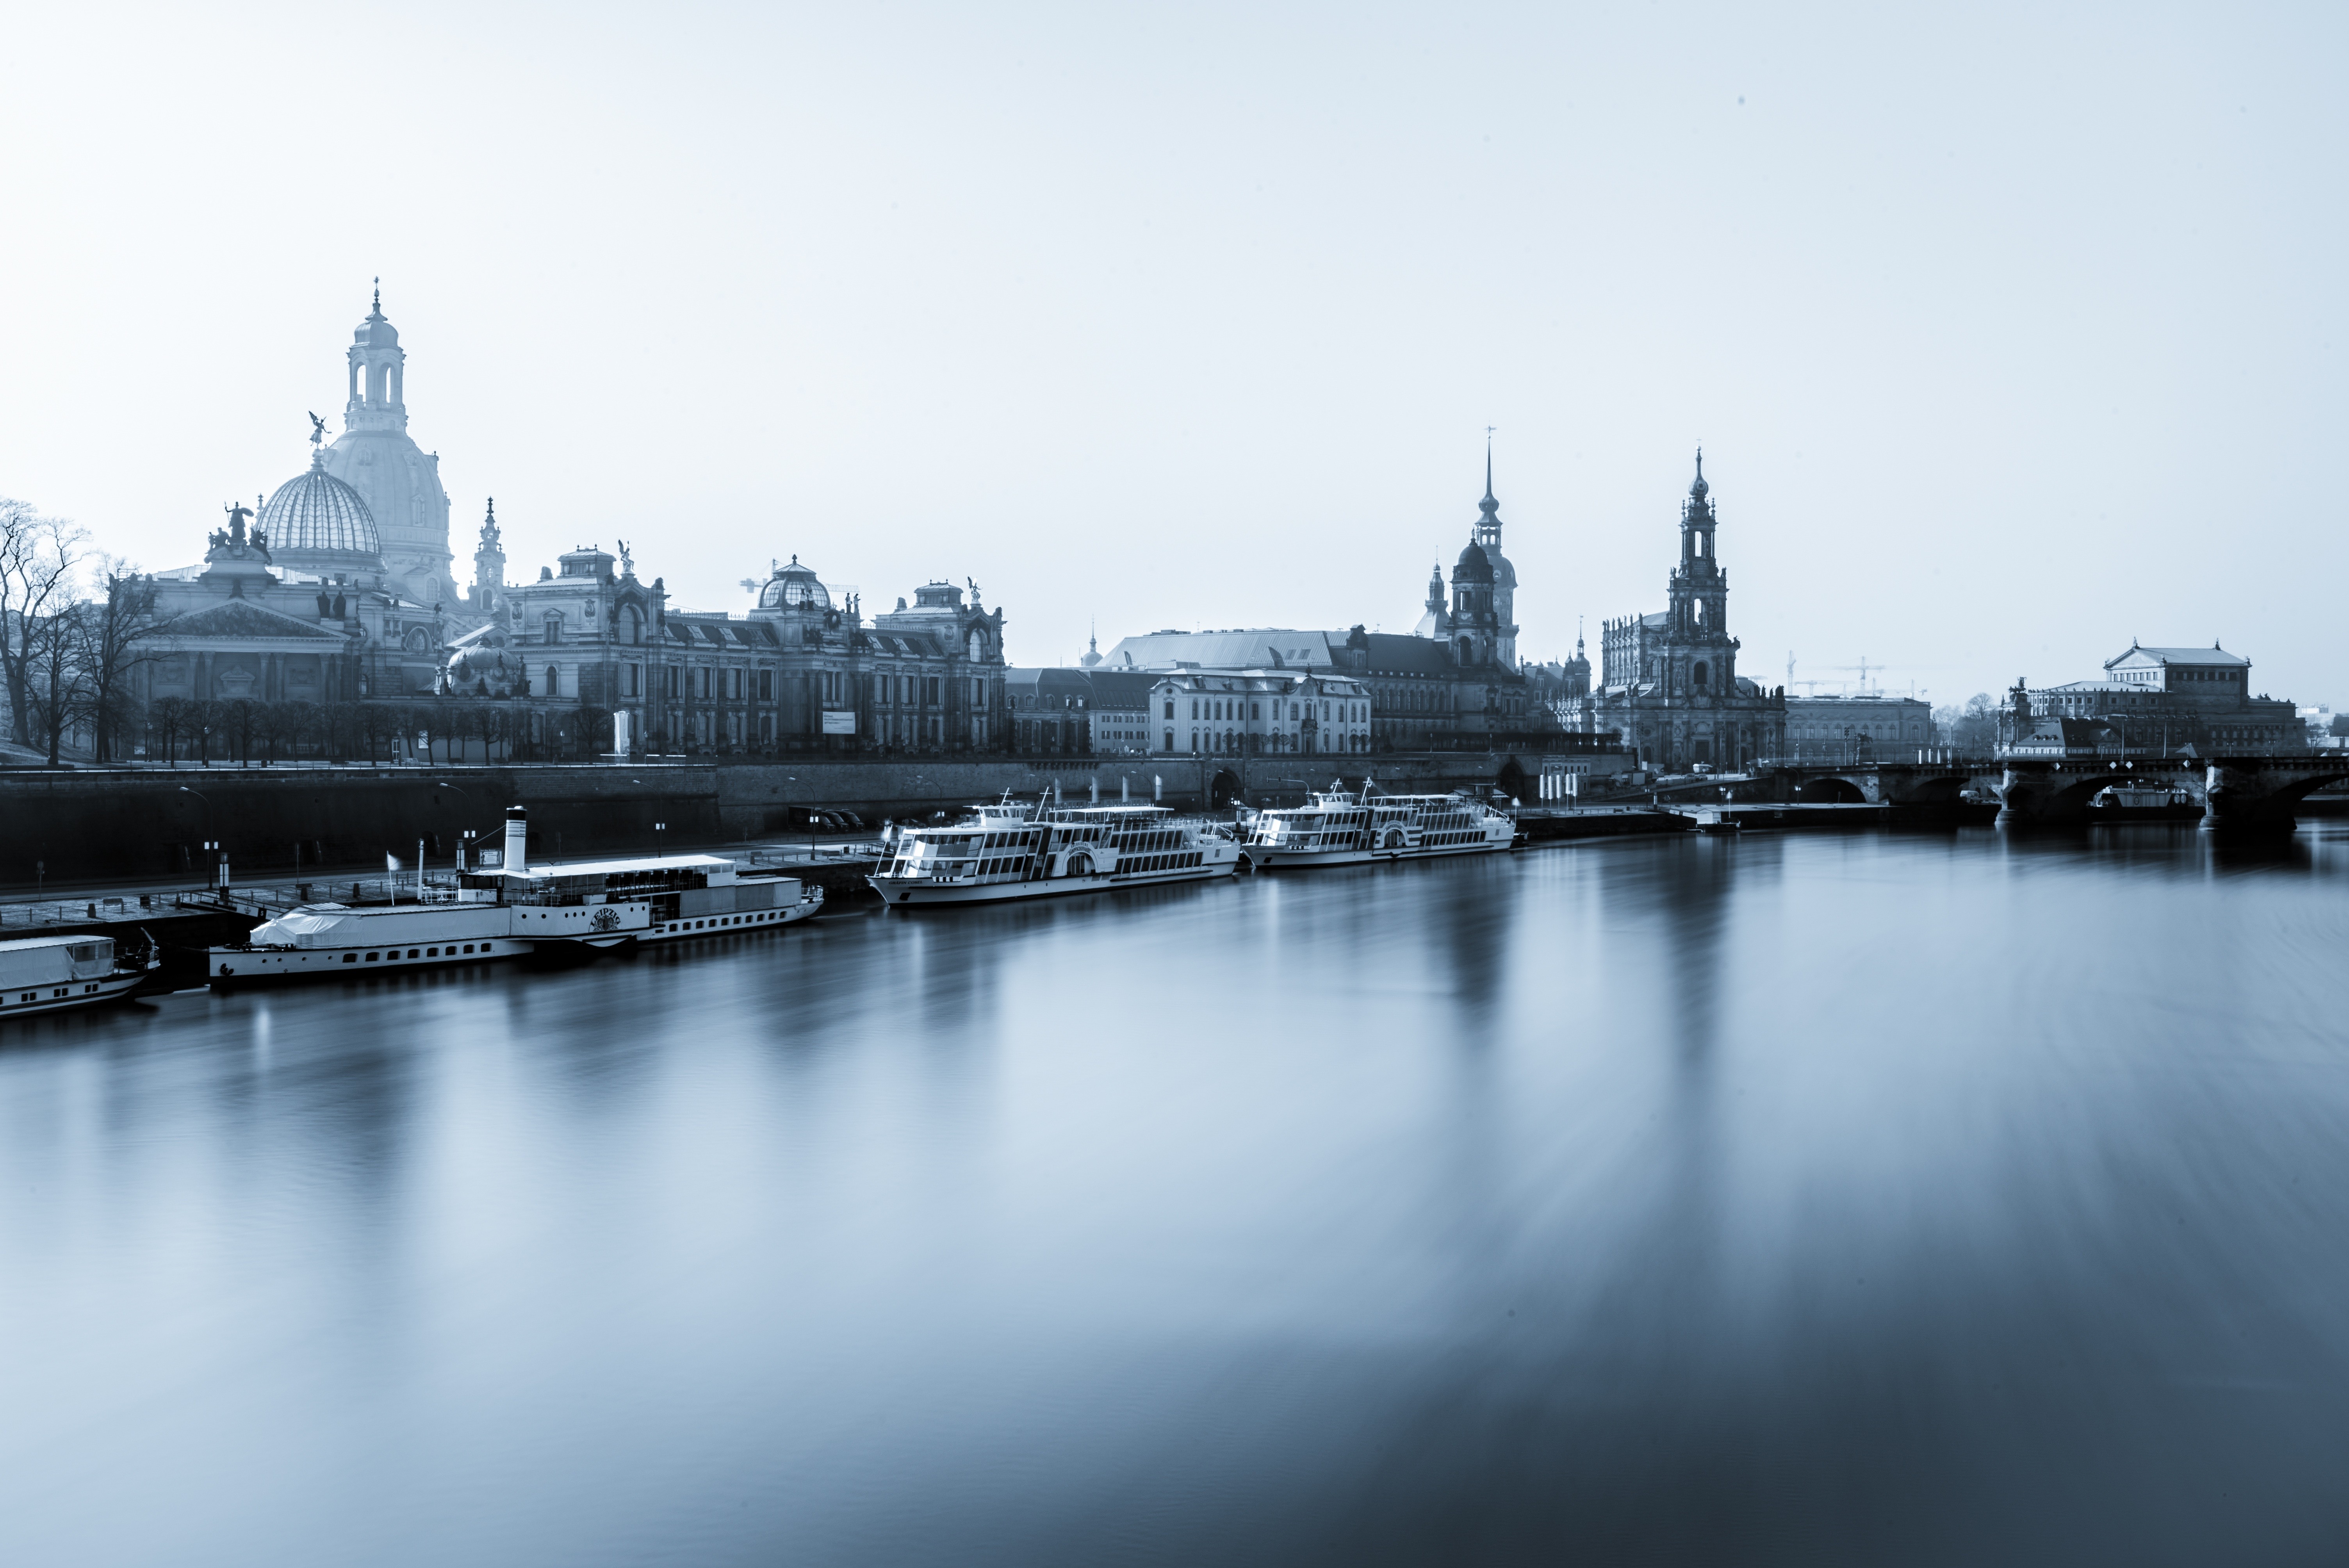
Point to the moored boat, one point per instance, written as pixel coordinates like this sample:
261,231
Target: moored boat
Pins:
1341,827
52,974
517,909
2143,803
1009,851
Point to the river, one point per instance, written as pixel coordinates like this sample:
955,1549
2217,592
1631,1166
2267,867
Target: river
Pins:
1883,1198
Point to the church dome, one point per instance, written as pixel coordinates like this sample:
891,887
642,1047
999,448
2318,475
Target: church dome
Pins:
316,522
794,587
1473,565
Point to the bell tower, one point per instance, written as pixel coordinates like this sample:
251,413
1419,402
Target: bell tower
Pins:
1698,619
489,565
377,368
1487,534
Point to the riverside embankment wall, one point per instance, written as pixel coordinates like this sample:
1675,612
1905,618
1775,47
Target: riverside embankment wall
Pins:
88,823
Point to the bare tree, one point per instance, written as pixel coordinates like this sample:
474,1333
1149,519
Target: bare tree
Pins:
52,692
168,718
111,634
239,717
39,558
487,724
279,723
377,725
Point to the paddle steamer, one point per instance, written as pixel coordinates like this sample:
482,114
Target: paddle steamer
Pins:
517,909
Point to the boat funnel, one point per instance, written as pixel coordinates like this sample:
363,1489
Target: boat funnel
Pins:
517,841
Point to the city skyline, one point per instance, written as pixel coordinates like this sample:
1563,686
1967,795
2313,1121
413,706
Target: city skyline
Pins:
1989,332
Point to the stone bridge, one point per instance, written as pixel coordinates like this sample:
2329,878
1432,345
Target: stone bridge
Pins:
2255,792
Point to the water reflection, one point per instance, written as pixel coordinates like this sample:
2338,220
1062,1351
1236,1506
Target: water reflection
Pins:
1904,1198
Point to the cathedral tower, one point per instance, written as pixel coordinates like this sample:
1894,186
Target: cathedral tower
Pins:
1488,535
1697,621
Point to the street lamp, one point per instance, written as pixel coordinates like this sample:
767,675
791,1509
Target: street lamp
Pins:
212,846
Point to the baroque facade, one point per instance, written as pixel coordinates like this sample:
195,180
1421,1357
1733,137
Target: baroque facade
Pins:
1668,682
295,610
795,672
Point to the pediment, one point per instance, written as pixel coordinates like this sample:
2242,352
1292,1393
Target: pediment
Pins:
244,618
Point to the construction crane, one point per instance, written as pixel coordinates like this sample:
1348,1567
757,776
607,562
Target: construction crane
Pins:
1863,668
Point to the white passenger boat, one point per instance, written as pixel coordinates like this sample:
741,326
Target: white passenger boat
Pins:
51,974
1341,827
662,898
519,909
1009,851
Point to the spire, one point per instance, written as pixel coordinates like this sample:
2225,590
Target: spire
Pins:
1487,530
378,298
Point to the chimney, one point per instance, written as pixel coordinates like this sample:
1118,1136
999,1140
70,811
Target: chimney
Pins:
517,841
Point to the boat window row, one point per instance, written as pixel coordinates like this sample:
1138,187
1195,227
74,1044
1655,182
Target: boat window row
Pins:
717,920
391,954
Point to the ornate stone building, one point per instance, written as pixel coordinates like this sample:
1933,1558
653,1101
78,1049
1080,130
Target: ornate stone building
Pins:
795,673
1452,682
1668,683
250,624
2170,701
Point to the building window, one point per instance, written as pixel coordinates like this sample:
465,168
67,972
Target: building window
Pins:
554,681
636,678
766,685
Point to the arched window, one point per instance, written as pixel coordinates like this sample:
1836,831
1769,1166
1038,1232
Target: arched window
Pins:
631,626
554,681
1698,675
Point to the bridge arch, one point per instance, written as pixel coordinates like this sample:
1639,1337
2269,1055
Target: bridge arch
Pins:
1511,779
1222,790
1830,791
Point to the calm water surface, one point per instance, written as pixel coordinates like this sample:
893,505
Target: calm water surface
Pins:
1801,1199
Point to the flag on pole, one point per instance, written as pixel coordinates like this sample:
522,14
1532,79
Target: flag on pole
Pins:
390,861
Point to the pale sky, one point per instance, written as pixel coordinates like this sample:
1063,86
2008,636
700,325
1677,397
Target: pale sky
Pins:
2009,334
